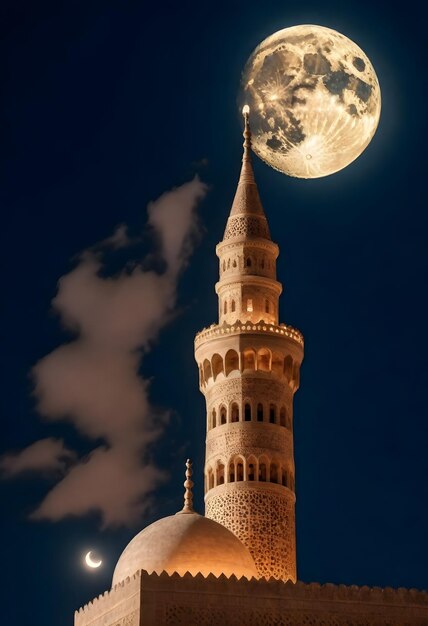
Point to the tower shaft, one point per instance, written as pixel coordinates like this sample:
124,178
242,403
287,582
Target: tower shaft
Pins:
248,372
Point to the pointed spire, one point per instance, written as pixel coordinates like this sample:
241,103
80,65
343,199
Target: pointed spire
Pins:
188,485
247,174
246,204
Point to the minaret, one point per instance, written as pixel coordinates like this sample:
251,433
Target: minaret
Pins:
248,372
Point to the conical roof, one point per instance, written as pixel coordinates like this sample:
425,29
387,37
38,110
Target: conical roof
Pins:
247,218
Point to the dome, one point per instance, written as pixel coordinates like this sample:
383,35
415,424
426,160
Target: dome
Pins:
185,542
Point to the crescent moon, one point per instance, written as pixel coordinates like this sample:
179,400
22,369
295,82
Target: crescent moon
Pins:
90,562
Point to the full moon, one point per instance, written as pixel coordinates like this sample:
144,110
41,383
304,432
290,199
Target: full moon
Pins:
90,562
314,101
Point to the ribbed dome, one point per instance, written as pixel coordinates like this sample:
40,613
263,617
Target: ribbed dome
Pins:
185,542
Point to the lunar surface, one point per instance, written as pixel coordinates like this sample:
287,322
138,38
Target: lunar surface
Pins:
314,100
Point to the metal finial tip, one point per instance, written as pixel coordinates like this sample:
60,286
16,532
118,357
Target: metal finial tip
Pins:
245,110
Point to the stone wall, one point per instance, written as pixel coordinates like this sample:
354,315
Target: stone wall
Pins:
118,607
152,600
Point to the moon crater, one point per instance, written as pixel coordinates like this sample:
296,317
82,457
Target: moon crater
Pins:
314,100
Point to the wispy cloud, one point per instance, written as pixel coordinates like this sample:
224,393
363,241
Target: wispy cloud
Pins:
47,456
94,382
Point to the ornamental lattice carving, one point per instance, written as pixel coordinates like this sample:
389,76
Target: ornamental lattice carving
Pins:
244,226
179,615
248,441
265,523
229,390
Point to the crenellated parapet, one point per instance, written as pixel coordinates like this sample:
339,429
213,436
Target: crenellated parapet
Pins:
173,600
121,604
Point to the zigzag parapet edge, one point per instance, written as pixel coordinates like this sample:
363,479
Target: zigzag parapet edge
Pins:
298,590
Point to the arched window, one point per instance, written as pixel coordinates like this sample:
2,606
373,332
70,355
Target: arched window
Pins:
248,262
225,307
220,474
207,370
249,358
228,263
260,412
235,412
231,472
296,375
272,414
249,305
251,469
247,412
263,360
213,419
233,306
262,472
288,367
273,473
231,361
283,417
234,263
239,471
210,479
224,266
267,307
223,415
217,365
284,478
277,364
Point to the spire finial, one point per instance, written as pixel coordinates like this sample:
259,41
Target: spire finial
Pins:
247,175
188,485
246,133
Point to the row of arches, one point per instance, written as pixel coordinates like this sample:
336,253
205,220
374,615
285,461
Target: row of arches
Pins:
253,469
246,305
247,261
270,413
249,360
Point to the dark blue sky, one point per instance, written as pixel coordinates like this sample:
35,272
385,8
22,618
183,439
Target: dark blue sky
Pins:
104,106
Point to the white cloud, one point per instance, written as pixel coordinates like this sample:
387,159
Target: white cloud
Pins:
94,382
111,481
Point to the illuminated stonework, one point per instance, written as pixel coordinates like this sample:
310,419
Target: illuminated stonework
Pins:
248,371
152,600
188,570
263,519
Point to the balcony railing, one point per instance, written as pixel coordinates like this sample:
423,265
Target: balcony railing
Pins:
261,328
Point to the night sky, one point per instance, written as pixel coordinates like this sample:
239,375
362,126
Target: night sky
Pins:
104,107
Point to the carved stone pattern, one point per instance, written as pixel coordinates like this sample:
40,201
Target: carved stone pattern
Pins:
180,615
265,523
129,620
247,440
235,389
244,226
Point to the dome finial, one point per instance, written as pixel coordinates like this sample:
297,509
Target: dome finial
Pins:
188,485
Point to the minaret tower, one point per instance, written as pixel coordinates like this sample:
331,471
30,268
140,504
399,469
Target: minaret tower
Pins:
248,372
